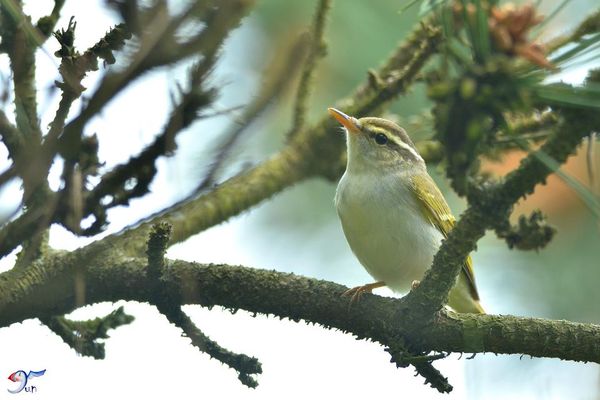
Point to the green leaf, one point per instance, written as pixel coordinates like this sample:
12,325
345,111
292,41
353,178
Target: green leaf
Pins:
572,50
591,55
482,38
408,5
538,29
429,5
586,195
586,96
459,51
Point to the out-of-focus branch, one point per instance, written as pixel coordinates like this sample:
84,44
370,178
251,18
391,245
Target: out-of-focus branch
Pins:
30,225
275,81
46,24
141,169
15,232
317,50
590,24
20,45
227,15
10,137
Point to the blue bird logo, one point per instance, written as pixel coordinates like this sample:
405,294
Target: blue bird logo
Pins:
22,377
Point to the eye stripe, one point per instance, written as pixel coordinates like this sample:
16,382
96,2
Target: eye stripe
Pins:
394,142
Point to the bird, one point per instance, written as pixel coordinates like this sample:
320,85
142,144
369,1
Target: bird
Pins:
393,215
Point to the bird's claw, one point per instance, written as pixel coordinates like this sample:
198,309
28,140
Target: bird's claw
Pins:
357,292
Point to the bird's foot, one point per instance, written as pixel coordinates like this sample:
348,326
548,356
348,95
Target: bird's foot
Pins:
357,292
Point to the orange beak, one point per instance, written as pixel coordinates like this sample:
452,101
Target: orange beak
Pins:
347,121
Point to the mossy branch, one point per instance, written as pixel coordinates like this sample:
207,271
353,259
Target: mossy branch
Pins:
490,205
84,336
246,366
168,302
382,319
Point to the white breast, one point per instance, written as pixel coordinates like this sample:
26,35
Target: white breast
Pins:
385,228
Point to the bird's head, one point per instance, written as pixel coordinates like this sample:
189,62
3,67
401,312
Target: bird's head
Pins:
377,143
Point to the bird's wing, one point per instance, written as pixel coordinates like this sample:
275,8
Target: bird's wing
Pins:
436,210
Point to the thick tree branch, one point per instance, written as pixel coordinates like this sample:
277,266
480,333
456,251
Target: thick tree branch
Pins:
382,319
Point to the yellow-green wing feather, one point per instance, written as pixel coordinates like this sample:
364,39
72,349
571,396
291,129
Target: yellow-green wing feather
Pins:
436,210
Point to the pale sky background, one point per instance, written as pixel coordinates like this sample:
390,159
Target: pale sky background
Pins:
149,358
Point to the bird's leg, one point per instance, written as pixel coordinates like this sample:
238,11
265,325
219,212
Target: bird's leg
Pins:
357,292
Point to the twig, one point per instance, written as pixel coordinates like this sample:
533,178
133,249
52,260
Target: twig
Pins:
422,363
229,13
20,38
10,137
141,168
24,227
318,49
158,241
46,24
82,336
590,25
275,82
245,366
73,68
169,305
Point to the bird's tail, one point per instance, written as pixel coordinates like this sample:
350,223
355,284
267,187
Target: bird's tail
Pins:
461,298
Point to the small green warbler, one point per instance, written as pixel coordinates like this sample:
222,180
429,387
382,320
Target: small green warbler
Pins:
392,213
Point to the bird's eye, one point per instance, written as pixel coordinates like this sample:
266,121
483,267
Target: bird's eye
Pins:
381,139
